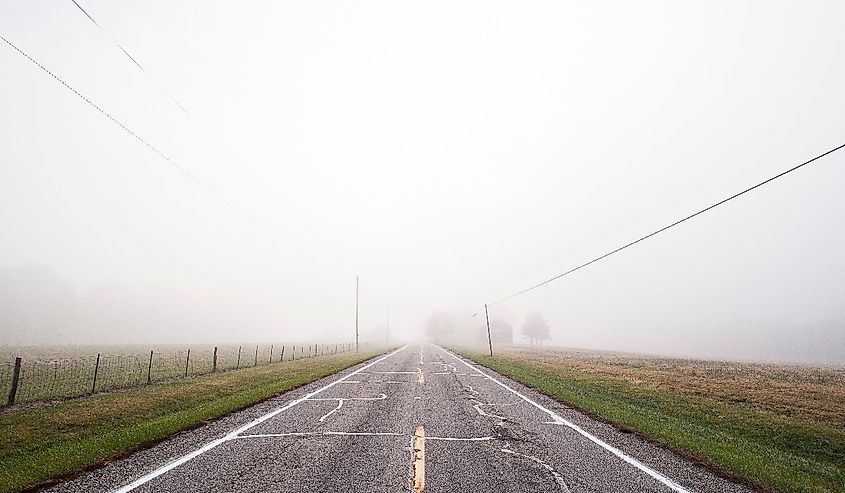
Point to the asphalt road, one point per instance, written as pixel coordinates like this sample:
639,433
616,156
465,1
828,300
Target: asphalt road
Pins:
419,417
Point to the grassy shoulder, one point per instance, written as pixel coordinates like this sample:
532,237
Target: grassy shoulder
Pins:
761,439
42,444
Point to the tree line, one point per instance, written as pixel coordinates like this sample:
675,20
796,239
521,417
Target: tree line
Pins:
440,327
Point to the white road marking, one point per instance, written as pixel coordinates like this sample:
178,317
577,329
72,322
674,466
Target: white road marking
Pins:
339,405
477,407
558,478
360,434
393,372
559,420
341,400
321,433
214,443
456,439
380,397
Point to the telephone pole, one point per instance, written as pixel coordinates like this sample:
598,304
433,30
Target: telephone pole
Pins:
489,341
387,328
356,314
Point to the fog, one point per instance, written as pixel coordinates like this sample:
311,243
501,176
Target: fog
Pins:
447,153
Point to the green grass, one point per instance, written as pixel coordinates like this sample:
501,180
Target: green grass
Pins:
763,447
42,444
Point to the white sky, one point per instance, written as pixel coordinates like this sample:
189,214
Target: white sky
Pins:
449,153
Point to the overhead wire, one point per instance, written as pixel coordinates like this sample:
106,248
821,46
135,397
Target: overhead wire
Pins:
175,101
676,223
140,139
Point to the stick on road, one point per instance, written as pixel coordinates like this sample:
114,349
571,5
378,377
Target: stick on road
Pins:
417,419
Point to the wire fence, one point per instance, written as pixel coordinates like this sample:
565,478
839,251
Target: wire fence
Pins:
31,379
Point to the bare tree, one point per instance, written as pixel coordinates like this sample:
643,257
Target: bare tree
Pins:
535,328
501,331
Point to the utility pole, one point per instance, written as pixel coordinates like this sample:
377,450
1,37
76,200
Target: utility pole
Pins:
387,328
489,340
356,314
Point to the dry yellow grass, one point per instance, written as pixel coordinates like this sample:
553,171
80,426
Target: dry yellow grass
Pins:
779,427
812,393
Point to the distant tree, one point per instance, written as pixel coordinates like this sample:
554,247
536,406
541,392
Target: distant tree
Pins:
535,328
501,331
439,326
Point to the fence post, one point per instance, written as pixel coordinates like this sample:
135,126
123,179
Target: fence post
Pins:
16,376
239,359
96,370
282,357
150,369
256,356
271,353
214,360
187,360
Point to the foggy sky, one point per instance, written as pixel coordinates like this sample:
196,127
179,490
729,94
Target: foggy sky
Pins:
448,153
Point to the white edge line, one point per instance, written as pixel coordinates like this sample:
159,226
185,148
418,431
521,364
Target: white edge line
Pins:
561,421
232,434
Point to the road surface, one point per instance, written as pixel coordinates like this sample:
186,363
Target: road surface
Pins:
417,419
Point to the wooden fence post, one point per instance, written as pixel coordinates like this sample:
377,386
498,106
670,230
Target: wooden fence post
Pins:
150,369
214,360
187,361
16,376
239,358
256,356
282,357
96,370
271,353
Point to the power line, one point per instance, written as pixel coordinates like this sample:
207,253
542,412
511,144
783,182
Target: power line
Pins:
153,79
172,98
702,211
133,134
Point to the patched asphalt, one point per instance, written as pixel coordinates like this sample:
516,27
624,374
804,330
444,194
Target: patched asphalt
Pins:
357,435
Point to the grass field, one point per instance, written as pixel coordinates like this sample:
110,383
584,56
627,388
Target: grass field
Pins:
778,427
40,444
